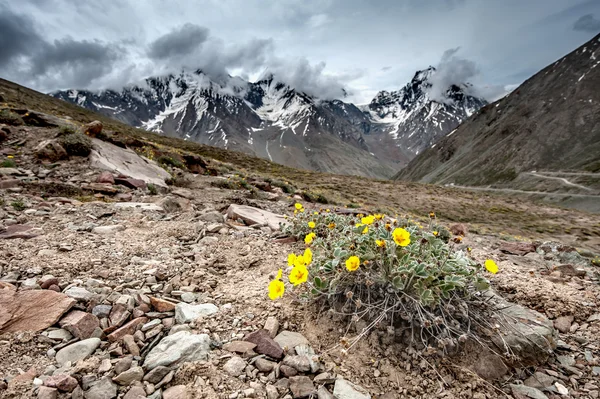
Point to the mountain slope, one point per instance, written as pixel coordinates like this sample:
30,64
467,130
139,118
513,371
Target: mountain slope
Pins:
551,123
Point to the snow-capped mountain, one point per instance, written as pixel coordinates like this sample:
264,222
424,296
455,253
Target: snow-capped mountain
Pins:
272,120
415,120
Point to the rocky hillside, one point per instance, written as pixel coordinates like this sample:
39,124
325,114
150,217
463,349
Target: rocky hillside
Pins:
550,123
273,120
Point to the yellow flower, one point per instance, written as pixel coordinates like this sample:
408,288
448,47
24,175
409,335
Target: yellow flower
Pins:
435,233
367,220
380,243
298,206
401,237
10,156
299,261
311,224
491,266
388,227
457,239
327,210
316,213
378,216
365,230
352,263
291,259
431,214
331,225
308,255
309,238
276,289
298,275
469,249
279,274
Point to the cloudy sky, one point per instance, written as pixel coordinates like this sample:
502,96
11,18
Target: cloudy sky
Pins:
319,46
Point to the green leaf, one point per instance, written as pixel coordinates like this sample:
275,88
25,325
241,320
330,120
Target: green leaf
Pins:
455,280
426,297
420,271
318,282
398,283
335,263
482,284
337,252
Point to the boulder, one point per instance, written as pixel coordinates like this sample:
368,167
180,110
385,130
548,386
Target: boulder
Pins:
33,310
251,216
92,129
178,348
126,162
517,248
76,144
130,182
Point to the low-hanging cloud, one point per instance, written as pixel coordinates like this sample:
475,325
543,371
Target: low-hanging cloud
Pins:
587,23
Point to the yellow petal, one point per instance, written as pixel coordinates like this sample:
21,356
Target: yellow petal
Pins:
491,266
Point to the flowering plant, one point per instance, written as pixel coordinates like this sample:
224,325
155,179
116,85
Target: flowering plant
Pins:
375,267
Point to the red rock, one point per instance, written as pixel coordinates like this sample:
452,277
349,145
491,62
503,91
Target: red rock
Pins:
100,188
47,393
7,286
19,231
33,310
54,288
93,129
118,315
127,329
105,177
63,382
517,248
49,282
265,344
161,305
131,183
130,344
29,375
80,324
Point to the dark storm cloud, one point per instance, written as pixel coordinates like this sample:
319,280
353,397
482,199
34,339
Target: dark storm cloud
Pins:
587,23
17,36
181,41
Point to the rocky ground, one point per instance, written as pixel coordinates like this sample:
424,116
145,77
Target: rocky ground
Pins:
111,287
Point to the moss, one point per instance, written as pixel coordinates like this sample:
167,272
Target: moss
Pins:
8,163
10,118
76,144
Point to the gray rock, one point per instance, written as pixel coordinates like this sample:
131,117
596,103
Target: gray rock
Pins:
302,387
79,293
563,323
47,393
178,348
272,326
529,392
188,297
157,374
60,335
539,380
77,351
300,363
142,206
251,216
346,390
127,377
272,392
290,339
212,217
186,313
102,389
235,366
150,325
108,229
264,365
323,393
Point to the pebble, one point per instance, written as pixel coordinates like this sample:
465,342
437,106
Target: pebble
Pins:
235,366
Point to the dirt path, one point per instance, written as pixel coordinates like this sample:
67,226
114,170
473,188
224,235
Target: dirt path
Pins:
562,179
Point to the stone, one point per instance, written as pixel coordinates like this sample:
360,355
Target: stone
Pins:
100,188
62,382
517,248
300,363
323,393
101,389
272,326
127,329
301,387
128,376
264,365
344,389
105,366
539,380
108,229
265,344
235,366
23,231
92,129
136,392
186,313
33,310
251,216
130,344
50,150
178,348
239,346
272,392
486,364
290,339
80,294
188,297
101,311
288,371
77,351
563,323
155,375
80,324
130,182
525,392
47,393
176,392
143,206
60,335
174,204
123,364
162,305
211,217
150,325
126,162
10,183
561,389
